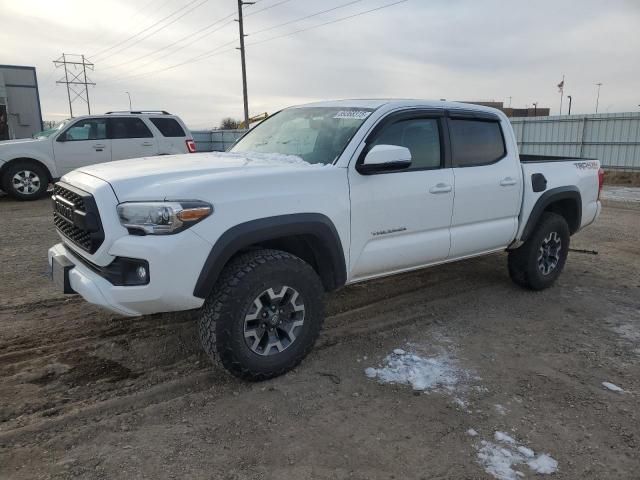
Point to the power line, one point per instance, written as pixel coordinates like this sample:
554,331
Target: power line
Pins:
203,29
266,8
306,17
216,51
202,2
164,48
149,28
328,23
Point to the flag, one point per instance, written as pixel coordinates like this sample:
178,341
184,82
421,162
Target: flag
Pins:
561,86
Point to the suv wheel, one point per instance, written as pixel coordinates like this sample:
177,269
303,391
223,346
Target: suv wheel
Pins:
25,181
539,261
264,314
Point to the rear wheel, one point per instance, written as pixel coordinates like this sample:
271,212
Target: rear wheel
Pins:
25,180
540,260
264,315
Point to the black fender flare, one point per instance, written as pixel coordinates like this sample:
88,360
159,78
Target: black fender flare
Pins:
546,199
260,230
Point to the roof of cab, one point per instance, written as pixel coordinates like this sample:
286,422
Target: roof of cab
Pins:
393,102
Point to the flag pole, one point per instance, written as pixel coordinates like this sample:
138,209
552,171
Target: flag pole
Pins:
561,93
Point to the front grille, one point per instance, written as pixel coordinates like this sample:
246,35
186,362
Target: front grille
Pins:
75,215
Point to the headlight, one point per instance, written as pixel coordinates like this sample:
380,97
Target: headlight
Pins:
162,218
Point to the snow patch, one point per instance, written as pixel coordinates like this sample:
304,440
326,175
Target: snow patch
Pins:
430,373
501,459
621,194
472,433
269,158
612,387
543,464
500,409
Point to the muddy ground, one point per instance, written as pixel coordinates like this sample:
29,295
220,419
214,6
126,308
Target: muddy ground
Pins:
86,394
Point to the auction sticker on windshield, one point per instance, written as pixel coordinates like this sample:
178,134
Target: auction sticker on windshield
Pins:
355,114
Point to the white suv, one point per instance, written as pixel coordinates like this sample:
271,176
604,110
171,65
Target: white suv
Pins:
27,166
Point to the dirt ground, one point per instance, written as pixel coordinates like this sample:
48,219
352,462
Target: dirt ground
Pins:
86,394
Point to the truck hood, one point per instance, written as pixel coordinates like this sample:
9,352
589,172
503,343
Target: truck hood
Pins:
22,141
178,176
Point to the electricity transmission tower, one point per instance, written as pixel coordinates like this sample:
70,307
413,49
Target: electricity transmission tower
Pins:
75,77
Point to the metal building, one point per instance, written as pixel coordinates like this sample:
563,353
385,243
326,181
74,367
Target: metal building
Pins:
612,138
20,112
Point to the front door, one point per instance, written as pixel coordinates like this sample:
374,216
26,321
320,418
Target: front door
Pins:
400,220
83,143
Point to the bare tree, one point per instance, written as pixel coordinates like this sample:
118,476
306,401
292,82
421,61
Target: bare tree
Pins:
229,124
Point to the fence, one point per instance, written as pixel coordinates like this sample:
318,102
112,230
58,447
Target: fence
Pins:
612,138
215,140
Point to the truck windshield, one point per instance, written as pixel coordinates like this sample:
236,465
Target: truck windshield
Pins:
316,134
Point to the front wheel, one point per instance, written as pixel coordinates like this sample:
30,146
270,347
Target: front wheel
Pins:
25,180
264,314
540,260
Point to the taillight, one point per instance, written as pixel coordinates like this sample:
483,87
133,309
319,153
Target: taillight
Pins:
600,181
191,145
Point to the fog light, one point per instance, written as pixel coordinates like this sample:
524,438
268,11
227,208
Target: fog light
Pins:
141,272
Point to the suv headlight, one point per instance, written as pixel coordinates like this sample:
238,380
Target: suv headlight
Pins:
162,218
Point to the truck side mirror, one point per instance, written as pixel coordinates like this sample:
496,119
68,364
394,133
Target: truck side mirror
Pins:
384,158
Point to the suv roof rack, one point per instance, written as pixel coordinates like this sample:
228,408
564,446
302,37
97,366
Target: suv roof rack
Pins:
140,112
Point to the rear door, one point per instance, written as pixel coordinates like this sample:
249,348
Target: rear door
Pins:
84,142
488,184
131,138
400,220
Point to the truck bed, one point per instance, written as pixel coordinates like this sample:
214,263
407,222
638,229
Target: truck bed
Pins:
530,158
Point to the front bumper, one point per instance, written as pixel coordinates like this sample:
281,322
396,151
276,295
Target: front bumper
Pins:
174,265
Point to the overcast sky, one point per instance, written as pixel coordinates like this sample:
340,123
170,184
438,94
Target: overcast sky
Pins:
453,49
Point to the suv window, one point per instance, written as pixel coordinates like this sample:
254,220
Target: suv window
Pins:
129,128
421,136
89,129
475,142
168,127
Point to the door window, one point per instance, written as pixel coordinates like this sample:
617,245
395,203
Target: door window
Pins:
475,142
421,136
90,129
129,128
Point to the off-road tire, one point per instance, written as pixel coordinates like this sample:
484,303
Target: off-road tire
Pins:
21,166
523,261
222,317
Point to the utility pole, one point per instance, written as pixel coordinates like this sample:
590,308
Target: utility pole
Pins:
509,102
535,109
75,77
129,95
570,98
242,59
599,84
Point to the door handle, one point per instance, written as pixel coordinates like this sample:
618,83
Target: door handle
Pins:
147,144
441,188
507,182
98,147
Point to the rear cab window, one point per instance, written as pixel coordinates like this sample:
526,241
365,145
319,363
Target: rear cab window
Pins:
169,127
476,142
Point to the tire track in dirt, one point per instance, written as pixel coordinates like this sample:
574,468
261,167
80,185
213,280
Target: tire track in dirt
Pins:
121,380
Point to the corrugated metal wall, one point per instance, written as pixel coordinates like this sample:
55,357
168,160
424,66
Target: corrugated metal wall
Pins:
612,138
215,140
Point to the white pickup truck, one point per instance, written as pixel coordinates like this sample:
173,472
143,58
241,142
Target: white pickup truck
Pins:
316,197
27,166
